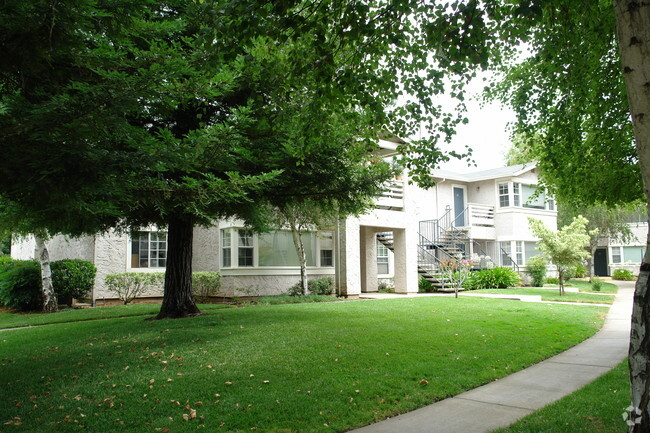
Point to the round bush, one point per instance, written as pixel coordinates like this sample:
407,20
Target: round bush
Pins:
20,285
73,278
321,286
623,275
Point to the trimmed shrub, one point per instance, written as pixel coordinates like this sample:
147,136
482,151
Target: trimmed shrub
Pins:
425,286
623,275
536,269
318,286
129,285
295,290
73,278
552,280
321,286
596,284
495,278
20,285
205,284
5,260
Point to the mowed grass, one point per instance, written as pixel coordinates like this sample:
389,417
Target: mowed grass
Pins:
596,408
553,295
585,286
15,320
320,367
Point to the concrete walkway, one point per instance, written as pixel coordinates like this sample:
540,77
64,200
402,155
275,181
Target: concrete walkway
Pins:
502,402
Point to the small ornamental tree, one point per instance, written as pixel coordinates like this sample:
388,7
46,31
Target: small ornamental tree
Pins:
564,248
456,271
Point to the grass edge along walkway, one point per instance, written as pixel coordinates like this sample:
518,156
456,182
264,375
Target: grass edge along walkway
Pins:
501,403
598,407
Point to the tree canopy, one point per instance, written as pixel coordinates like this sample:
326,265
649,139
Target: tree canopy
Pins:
178,113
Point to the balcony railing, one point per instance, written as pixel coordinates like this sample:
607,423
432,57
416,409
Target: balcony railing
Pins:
393,196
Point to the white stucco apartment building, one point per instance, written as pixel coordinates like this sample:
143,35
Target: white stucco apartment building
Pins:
476,214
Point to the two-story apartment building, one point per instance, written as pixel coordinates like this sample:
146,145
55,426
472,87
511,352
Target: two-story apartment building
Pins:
409,231
613,254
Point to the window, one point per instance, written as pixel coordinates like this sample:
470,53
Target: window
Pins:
531,199
245,248
148,249
516,194
242,248
519,252
278,249
530,250
505,254
382,259
551,204
633,254
616,255
226,248
504,196
326,249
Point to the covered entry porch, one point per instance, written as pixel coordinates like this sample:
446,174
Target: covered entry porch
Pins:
356,259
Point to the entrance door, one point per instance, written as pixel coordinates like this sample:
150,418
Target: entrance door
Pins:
459,206
600,262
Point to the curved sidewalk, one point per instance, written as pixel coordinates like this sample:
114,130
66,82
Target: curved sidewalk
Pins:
504,401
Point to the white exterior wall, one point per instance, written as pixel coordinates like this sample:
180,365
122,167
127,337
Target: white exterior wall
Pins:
512,223
23,248
483,192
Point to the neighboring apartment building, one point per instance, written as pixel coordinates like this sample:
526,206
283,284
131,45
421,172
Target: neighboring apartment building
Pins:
613,254
410,230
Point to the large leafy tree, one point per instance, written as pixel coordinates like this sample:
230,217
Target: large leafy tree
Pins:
180,112
583,95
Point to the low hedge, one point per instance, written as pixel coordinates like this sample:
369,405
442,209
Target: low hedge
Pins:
495,278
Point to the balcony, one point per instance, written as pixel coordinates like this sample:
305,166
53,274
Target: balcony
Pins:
393,196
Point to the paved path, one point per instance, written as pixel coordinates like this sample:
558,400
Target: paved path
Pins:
502,402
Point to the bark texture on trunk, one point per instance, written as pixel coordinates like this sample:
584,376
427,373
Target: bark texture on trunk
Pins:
177,299
50,304
300,249
633,30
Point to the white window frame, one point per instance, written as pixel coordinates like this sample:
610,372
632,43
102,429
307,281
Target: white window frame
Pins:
234,251
614,254
514,196
383,259
519,253
129,252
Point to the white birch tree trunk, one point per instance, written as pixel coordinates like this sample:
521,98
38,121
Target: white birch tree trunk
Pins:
50,304
300,249
633,29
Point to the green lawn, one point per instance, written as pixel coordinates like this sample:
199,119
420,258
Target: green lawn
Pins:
15,320
320,367
553,295
585,286
596,408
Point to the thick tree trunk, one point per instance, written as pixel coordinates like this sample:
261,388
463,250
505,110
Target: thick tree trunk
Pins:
177,299
633,29
300,249
50,304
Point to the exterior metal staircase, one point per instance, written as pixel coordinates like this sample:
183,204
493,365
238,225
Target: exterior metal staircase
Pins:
446,239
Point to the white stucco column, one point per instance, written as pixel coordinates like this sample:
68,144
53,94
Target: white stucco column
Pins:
406,265
368,258
348,264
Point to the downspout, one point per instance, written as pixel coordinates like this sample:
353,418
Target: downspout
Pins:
337,260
